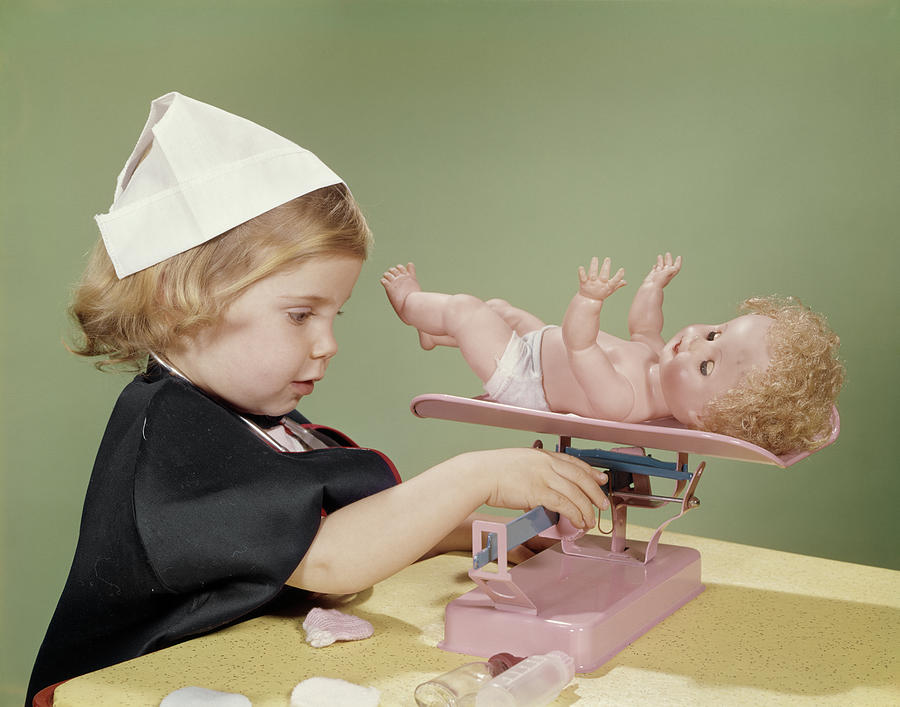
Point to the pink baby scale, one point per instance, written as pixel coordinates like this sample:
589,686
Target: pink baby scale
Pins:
588,596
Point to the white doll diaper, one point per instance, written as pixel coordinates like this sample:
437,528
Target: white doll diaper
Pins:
518,379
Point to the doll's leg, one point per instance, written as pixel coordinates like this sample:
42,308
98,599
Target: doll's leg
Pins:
479,332
521,321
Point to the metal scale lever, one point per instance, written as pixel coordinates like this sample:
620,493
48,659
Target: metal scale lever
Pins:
518,531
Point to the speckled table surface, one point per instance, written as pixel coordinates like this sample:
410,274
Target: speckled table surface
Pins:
771,628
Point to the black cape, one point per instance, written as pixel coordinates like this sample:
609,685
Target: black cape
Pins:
190,522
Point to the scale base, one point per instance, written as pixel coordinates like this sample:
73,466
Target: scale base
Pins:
589,608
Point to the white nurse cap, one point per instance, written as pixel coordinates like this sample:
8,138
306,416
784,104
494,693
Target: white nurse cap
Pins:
195,172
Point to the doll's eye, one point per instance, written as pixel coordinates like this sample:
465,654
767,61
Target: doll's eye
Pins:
706,367
299,317
713,335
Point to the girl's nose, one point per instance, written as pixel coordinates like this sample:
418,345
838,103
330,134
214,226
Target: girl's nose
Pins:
325,345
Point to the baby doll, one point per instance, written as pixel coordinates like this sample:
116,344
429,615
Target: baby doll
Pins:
770,376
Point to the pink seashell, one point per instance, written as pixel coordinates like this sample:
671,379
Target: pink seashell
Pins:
325,626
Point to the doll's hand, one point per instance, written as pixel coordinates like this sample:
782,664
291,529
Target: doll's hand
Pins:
598,285
526,478
664,271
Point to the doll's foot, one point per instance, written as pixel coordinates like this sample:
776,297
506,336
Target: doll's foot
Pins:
399,282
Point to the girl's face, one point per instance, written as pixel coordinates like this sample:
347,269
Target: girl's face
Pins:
703,361
275,340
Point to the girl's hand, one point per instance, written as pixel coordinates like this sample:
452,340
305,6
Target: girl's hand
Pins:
523,479
662,273
598,285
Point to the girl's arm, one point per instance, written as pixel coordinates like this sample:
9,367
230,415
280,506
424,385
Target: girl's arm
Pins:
371,539
609,393
645,318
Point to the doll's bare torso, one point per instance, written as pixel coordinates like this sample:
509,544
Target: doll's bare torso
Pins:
632,360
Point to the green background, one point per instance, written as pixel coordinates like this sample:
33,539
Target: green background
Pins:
498,145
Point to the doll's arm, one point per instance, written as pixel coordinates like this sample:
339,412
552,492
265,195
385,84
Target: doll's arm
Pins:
609,393
371,539
645,318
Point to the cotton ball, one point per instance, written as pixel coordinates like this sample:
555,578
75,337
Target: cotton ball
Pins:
331,692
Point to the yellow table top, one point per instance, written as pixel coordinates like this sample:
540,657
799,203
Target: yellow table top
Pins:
771,628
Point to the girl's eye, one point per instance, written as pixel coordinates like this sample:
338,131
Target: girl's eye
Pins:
706,367
713,335
299,317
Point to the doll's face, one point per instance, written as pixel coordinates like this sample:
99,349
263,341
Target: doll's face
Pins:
275,340
703,361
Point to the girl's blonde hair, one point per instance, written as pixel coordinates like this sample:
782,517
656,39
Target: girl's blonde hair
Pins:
787,407
123,320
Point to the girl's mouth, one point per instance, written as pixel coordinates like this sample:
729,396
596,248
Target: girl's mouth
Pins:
303,387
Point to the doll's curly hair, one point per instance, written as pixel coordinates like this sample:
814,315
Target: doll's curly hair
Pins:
787,407
153,309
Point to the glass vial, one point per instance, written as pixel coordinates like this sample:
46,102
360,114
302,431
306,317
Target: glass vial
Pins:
459,687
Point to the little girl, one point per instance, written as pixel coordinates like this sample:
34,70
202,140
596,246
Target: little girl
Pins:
226,256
